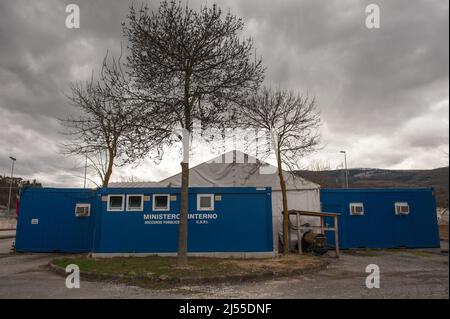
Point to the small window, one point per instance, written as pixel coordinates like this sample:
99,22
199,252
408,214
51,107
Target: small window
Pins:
135,203
115,203
401,208
356,209
205,201
82,210
161,202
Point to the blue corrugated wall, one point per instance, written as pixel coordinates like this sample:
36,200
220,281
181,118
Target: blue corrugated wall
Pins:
380,227
243,222
55,227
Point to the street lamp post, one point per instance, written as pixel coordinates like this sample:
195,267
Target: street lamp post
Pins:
10,183
346,169
85,170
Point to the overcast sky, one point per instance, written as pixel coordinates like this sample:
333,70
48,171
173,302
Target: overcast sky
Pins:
383,93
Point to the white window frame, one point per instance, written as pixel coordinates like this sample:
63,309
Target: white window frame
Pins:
399,204
357,204
109,209
83,205
140,209
160,209
210,208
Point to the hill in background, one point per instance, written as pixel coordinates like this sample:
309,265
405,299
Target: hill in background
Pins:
381,178
358,178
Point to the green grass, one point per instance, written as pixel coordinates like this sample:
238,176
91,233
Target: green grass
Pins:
156,272
151,267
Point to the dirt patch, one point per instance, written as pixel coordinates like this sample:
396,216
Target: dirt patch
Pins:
443,232
162,272
363,252
373,252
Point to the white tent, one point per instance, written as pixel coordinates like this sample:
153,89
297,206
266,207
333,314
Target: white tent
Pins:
236,169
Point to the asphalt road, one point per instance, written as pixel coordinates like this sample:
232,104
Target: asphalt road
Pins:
403,274
27,276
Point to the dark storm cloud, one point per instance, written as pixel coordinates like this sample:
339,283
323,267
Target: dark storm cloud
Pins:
39,58
324,46
377,89
383,93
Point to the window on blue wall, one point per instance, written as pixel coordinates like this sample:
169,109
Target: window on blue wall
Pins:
115,203
356,209
135,203
401,208
161,202
205,201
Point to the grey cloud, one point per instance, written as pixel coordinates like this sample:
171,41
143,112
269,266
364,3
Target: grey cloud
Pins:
375,88
354,71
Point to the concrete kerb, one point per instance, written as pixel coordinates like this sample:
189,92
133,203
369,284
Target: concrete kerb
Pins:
7,236
7,233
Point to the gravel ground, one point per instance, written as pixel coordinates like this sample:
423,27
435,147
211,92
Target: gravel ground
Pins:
416,274
403,274
27,276
7,222
5,245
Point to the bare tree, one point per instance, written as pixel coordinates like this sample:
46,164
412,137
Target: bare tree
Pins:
293,121
188,65
319,165
104,129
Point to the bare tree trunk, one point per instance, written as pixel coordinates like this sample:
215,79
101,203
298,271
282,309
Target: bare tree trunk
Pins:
285,206
109,169
183,226
182,231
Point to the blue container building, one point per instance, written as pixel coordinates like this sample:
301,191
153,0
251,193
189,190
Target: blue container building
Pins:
121,221
383,218
47,221
233,221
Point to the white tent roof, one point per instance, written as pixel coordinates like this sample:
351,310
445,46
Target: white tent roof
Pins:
237,169
133,184
232,169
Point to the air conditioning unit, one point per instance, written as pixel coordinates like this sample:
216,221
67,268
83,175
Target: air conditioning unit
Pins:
356,209
401,208
82,210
